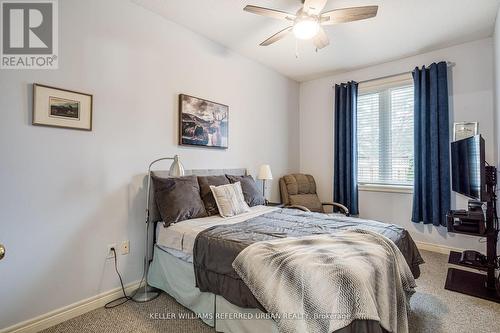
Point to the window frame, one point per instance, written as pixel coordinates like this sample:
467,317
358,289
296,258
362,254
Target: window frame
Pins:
377,86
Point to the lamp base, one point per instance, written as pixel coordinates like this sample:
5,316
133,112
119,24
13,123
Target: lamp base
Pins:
147,294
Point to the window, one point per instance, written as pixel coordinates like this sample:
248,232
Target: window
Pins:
385,132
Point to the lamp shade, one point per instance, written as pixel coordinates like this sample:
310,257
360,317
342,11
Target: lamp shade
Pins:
265,172
176,169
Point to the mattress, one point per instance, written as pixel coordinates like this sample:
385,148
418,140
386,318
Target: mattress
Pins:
178,239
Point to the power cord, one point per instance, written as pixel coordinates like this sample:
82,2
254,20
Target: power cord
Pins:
125,298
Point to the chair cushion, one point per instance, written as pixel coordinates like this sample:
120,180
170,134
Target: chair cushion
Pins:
253,196
206,194
300,184
178,199
310,201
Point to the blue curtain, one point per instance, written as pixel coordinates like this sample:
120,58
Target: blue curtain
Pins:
431,193
345,182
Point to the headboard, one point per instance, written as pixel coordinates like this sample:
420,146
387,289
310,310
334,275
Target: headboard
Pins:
154,214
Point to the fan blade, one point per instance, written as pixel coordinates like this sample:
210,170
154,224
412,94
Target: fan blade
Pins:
348,14
321,39
314,7
276,37
277,14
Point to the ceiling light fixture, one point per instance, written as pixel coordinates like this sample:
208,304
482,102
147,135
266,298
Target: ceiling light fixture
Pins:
310,19
305,28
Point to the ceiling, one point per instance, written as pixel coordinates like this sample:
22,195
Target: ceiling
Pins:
402,28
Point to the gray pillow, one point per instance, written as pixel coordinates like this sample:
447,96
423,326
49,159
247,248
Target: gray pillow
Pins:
253,196
206,194
178,199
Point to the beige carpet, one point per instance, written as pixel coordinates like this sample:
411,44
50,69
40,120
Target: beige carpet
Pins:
434,309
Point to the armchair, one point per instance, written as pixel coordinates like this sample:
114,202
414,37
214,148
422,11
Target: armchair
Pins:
299,191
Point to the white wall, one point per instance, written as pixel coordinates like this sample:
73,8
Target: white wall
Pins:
471,99
66,194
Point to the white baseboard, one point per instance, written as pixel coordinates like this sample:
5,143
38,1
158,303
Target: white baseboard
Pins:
435,248
71,311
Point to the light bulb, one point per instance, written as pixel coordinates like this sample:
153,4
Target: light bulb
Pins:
306,28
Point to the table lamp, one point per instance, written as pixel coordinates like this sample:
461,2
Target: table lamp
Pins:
264,174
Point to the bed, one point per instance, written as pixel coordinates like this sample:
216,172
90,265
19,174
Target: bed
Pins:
192,259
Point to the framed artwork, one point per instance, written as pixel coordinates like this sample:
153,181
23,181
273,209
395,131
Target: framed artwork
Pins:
464,130
57,107
202,122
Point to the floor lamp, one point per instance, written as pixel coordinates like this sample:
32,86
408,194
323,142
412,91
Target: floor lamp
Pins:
176,170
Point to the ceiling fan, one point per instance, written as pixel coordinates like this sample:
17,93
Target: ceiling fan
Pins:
308,21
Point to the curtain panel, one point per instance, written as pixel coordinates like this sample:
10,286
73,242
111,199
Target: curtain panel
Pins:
345,182
431,193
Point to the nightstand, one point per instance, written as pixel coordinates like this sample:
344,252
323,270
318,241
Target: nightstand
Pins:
275,204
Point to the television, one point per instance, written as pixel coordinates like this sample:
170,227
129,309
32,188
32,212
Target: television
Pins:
468,167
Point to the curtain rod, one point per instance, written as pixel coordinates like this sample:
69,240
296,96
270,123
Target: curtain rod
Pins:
448,63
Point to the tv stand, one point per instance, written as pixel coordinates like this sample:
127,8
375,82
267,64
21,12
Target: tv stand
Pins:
464,281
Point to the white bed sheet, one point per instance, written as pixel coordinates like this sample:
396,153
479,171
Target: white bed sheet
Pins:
178,239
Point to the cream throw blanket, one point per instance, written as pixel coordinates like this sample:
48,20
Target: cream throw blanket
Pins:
322,283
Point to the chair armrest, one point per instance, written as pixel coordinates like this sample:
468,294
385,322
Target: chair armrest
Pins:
305,209
342,207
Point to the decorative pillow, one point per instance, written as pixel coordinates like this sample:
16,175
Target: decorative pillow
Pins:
206,193
178,199
229,199
253,196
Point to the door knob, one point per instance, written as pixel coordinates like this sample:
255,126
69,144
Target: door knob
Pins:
2,251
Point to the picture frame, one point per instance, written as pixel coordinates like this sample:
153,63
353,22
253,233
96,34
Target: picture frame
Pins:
56,107
203,123
464,130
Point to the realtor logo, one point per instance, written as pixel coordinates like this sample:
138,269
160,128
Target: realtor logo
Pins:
29,34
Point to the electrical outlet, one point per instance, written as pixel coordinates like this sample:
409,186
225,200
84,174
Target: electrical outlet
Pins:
125,249
111,254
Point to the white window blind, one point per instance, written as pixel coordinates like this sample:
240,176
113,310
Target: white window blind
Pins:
385,134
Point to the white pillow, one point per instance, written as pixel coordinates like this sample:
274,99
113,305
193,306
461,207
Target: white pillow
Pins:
229,199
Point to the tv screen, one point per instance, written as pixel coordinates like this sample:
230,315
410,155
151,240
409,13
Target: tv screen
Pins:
467,165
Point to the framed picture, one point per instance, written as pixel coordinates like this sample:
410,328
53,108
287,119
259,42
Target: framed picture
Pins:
61,108
464,130
202,122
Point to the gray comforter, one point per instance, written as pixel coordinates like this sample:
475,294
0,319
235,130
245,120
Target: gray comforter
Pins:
216,248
